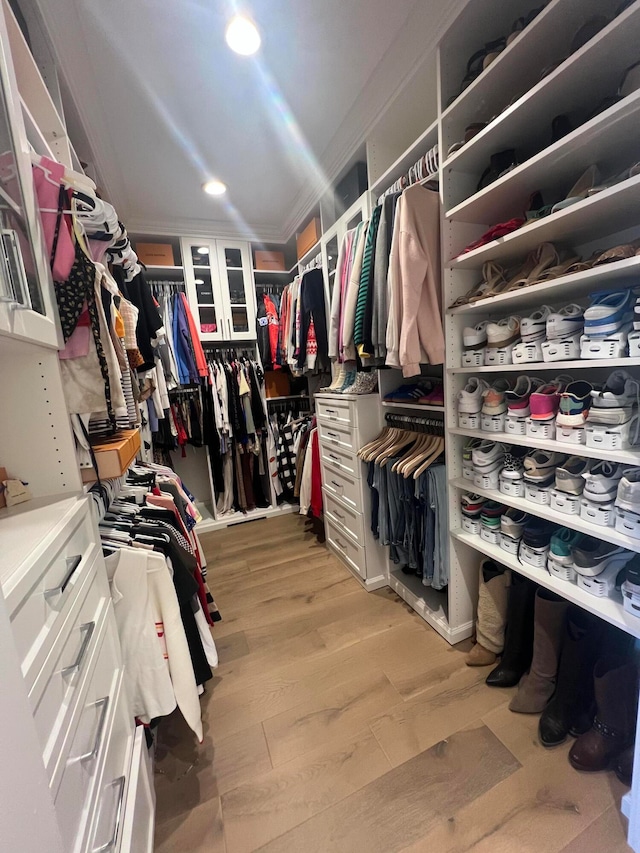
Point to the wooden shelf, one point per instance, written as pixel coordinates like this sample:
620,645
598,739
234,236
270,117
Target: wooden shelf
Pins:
609,609
609,534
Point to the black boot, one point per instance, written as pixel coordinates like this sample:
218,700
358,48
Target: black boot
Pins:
518,641
571,709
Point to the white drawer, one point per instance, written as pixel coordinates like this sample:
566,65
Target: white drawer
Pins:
335,411
101,742
347,549
333,435
347,520
341,486
343,460
106,832
41,602
138,821
57,688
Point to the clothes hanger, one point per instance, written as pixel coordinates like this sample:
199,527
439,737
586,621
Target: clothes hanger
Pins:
437,452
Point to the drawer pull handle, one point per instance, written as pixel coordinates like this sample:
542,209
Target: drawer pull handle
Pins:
88,629
334,457
331,411
338,515
90,756
72,565
340,545
120,784
332,434
337,485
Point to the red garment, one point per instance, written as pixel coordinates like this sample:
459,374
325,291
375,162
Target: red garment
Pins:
499,230
201,361
316,476
274,328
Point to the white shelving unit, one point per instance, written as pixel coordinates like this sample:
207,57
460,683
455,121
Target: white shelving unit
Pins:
519,102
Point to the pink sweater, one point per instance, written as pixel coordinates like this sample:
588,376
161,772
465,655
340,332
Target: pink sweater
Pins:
415,332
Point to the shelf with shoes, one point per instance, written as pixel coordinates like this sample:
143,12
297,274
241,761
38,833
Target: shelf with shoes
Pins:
626,457
551,366
609,609
607,534
414,407
621,274
526,123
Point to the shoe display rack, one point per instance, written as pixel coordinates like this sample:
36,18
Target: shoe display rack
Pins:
536,78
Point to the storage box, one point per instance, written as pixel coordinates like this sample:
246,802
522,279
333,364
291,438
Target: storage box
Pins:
155,254
307,238
276,384
269,261
113,454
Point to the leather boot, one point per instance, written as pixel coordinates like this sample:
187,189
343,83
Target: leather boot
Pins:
538,685
492,614
624,766
518,640
571,709
615,685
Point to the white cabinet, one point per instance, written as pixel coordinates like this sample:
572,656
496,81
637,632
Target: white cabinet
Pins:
27,309
220,288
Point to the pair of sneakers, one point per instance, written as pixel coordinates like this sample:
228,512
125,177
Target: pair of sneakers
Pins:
479,397
494,335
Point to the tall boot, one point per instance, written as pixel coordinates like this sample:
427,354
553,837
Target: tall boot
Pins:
615,685
492,614
518,640
538,685
571,709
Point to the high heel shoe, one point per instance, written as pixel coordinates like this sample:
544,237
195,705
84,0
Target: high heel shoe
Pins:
545,256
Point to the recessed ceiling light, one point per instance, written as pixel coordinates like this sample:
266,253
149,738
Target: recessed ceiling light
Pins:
203,250
242,35
199,281
214,188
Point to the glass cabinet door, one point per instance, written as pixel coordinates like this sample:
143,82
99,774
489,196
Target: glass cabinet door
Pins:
26,289
236,276
203,288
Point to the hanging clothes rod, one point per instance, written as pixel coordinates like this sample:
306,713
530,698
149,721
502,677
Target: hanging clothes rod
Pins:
432,426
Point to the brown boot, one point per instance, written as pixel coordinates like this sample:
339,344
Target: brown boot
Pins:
492,614
615,682
538,685
624,766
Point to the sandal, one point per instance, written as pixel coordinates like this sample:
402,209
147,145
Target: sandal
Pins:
545,256
495,278
563,268
617,253
580,190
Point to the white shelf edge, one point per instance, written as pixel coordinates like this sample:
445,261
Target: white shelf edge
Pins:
609,609
397,167
208,525
608,534
578,364
586,277
164,268
415,407
438,621
627,457
469,260
270,272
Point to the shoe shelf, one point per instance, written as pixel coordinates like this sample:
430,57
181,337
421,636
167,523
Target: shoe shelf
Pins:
553,366
554,170
566,288
594,218
626,457
527,122
542,43
608,534
414,407
609,609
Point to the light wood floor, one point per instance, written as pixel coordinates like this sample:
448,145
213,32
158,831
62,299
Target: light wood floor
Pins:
339,721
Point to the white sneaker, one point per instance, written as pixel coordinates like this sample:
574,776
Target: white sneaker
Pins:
570,475
628,496
601,483
534,327
565,323
474,337
610,417
488,456
503,333
620,389
470,398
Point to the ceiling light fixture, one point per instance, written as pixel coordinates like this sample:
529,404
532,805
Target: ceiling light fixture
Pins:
242,35
214,187
203,250
199,281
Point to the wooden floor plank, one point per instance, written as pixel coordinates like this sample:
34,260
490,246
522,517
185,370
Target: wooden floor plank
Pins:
274,802
401,806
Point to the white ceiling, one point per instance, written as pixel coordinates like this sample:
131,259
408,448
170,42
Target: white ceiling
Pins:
165,105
